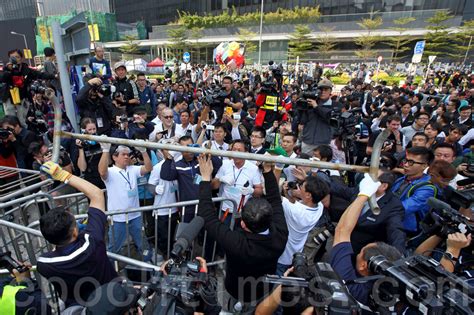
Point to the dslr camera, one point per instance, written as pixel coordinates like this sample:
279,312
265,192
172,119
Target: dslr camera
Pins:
311,92
37,87
104,89
5,133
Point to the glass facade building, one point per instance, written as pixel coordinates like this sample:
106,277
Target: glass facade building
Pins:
161,12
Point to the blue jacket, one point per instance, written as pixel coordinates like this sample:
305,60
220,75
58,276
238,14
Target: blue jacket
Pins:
416,205
148,96
185,173
100,68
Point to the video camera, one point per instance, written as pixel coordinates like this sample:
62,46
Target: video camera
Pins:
444,220
185,286
420,283
215,96
317,286
344,123
14,64
311,92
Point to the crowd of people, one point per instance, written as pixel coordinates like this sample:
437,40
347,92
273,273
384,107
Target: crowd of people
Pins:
281,209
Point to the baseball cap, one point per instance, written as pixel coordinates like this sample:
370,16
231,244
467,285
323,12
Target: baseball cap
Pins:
119,64
139,110
325,83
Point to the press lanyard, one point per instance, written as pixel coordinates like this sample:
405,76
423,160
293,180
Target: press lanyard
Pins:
127,179
233,171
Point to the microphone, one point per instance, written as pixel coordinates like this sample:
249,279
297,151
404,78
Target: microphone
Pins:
438,204
187,236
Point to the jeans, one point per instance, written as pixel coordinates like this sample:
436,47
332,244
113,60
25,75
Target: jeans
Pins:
119,235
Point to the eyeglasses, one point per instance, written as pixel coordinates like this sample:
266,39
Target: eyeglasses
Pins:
167,117
254,136
411,162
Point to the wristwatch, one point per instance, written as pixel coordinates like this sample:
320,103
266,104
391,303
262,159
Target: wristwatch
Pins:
451,256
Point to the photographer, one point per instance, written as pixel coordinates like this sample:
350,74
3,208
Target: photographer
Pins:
231,99
140,128
36,118
394,142
18,77
252,251
126,91
315,119
86,154
93,104
21,295
18,140
301,215
342,252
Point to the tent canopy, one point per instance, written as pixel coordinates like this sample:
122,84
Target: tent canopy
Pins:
156,63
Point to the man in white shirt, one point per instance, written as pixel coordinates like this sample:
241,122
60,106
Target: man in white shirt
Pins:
301,216
165,193
218,136
185,128
166,129
237,179
121,181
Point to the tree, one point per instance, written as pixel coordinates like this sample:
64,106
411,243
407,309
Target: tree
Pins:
368,40
325,42
178,40
195,35
300,43
439,41
400,43
131,48
464,40
245,36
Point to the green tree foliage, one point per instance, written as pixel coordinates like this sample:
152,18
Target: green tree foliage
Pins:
325,42
368,41
131,47
194,36
179,40
463,38
400,43
300,43
439,41
226,18
245,35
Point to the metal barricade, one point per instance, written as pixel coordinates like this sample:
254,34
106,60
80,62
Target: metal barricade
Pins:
20,244
170,237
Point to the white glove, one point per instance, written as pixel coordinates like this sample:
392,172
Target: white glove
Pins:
368,187
141,149
247,191
227,179
104,145
160,189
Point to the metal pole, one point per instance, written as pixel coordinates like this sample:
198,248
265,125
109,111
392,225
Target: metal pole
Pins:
374,166
27,49
26,189
229,154
467,51
92,22
57,126
260,40
63,75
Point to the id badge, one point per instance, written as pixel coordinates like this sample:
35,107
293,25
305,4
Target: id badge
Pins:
235,190
142,180
197,179
132,193
100,122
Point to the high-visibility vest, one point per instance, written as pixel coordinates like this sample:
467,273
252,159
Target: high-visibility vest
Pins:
8,300
271,103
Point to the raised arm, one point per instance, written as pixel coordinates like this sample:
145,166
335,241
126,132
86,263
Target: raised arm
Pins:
95,195
348,220
104,160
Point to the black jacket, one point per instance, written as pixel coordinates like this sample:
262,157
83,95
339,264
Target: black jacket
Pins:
22,78
101,109
249,255
386,227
